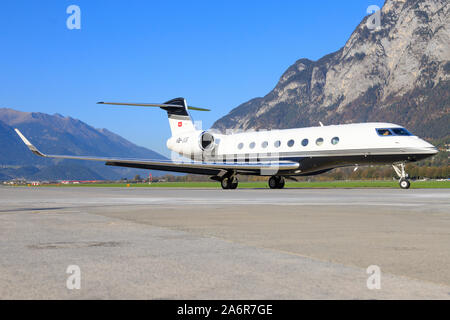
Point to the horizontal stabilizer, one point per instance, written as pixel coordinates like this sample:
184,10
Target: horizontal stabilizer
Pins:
161,105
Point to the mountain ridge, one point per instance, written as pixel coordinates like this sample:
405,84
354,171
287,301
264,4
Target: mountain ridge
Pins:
55,134
397,73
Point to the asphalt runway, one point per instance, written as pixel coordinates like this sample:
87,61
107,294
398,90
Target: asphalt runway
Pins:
149,243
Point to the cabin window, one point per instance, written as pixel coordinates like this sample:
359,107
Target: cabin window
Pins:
305,142
240,146
290,143
252,145
319,141
277,143
335,140
401,132
384,132
264,144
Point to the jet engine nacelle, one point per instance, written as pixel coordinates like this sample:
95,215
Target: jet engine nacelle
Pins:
192,145
206,141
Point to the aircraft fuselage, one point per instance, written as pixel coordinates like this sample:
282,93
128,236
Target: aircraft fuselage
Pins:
316,149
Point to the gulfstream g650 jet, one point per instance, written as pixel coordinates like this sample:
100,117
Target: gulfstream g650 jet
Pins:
278,154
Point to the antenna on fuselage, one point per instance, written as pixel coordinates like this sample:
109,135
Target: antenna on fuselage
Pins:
321,124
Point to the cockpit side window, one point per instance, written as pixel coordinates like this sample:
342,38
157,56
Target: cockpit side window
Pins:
401,132
393,132
384,132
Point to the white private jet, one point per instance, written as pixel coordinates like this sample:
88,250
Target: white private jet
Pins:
278,154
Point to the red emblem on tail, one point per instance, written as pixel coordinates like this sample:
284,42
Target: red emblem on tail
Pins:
180,123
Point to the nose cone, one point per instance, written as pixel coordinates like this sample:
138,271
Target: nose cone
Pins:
428,148
434,150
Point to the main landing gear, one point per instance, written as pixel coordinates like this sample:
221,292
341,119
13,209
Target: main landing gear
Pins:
276,182
229,182
399,169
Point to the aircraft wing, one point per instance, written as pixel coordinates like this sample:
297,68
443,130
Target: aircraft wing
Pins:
188,166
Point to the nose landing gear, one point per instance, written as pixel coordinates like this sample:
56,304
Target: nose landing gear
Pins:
276,182
404,183
399,169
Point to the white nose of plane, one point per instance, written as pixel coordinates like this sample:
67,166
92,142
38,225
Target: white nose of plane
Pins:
426,147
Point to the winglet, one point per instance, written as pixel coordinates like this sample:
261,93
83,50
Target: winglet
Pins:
28,144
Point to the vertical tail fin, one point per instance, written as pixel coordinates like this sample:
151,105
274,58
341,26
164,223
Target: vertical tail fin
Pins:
179,119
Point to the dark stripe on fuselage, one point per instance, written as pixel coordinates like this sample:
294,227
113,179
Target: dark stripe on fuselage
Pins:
313,164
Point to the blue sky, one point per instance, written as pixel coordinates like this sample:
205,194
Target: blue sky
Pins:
216,54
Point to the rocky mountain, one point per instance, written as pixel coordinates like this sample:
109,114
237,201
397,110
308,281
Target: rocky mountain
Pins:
398,72
55,134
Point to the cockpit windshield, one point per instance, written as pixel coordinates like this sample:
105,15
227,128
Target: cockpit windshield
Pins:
393,132
401,132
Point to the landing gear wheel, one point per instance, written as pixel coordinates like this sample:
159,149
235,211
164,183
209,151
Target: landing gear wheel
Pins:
225,183
234,183
399,169
229,183
404,184
276,182
281,183
273,182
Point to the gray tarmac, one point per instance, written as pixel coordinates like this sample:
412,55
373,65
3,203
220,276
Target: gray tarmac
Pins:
149,243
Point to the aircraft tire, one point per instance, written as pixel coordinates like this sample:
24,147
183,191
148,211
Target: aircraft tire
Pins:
234,183
276,182
404,184
225,183
281,183
273,182
229,183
